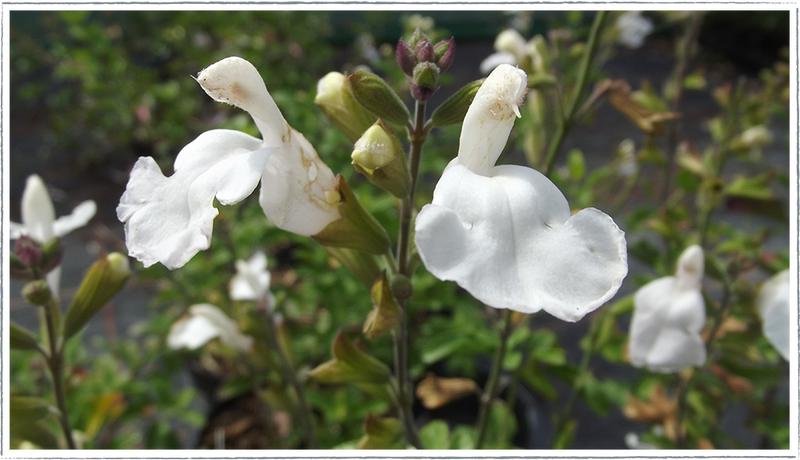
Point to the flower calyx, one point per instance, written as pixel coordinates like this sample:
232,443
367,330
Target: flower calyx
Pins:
350,365
335,98
385,313
376,96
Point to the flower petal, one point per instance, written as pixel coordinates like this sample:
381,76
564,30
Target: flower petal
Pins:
509,240
495,59
228,330
490,117
80,216
38,214
298,192
191,333
773,307
170,219
252,278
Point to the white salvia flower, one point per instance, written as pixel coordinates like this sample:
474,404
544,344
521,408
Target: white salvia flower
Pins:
669,314
252,279
773,307
39,220
206,322
170,219
633,28
504,233
511,49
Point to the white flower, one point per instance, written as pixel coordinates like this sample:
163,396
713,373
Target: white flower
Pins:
669,314
252,279
633,442
170,219
39,220
773,307
504,233
511,49
206,322
633,28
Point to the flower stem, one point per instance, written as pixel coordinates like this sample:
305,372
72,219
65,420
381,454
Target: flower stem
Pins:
303,411
568,119
417,134
490,392
686,50
55,363
580,377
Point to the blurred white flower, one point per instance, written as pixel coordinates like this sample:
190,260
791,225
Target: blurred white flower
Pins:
633,28
505,233
511,49
252,279
773,307
756,136
206,322
39,220
633,442
669,314
170,219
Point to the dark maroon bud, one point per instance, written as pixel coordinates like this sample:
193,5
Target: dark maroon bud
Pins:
424,51
28,250
405,57
445,53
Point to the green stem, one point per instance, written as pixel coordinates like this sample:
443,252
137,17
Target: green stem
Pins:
685,52
568,119
303,411
580,377
489,393
55,364
417,134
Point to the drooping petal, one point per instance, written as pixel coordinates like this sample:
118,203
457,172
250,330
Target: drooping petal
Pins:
192,333
38,213
495,59
297,191
80,216
773,307
508,239
490,117
252,278
228,330
170,219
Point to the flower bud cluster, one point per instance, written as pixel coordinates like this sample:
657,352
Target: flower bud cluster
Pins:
423,62
32,259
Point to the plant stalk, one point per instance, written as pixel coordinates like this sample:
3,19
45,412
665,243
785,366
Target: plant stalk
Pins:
490,392
55,363
568,119
303,411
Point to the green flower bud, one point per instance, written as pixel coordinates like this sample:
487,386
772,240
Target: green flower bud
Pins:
377,97
335,98
357,229
385,313
424,81
51,255
37,292
379,155
402,287
102,282
416,37
454,109
445,54
540,55
350,365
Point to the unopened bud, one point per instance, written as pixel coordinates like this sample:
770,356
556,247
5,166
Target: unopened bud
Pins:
102,282
401,286
37,292
51,255
454,109
424,81
757,136
28,251
445,54
416,37
405,57
335,98
379,155
424,51
540,56
378,97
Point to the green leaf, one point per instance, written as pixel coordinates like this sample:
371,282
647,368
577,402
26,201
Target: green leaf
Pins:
565,435
26,410
435,435
502,426
756,188
36,433
463,437
21,338
576,165
535,377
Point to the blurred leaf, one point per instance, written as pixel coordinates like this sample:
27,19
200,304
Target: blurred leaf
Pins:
26,410
463,437
21,339
435,435
565,435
